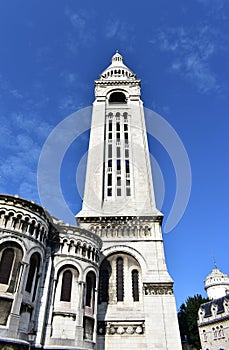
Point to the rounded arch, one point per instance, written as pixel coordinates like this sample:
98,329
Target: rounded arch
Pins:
67,266
67,284
89,269
91,281
117,93
124,266
125,250
6,264
9,240
61,265
33,250
117,97
11,257
35,262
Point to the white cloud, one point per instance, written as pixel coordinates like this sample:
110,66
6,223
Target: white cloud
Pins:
22,136
112,28
68,104
77,21
121,30
6,86
191,51
69,78
83,31
16,93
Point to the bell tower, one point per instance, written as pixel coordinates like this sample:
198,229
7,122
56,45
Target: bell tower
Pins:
136,303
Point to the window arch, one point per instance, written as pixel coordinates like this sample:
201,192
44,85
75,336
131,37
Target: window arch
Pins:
90,289
10,264
135,285
119,279
6,265
117,97
105,272
33,271
66,287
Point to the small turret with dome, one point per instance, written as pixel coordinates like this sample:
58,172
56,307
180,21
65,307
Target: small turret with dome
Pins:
216,284
117,70
117,57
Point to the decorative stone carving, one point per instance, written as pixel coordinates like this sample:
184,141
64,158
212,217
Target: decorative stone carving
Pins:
158,289
135,90
121,328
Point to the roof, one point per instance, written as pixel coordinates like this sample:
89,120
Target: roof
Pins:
218,303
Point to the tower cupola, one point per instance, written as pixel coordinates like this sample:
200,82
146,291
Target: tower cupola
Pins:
117,58
216,284
117,70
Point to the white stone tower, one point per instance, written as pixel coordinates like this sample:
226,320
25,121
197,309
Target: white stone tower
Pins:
216,284
136,302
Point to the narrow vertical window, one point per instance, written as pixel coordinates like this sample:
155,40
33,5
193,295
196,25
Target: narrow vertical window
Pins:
128,192
104,285
118,164
88,326
119,191
127,166
118,180
119,280
109,180
135,285
125,116
66,287
109,151
6,265
90,289
118,152
109,192
110,125
33,267
222,332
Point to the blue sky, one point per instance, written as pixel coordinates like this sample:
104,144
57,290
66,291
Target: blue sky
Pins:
51,52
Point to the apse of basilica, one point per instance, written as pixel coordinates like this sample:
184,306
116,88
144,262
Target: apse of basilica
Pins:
102,284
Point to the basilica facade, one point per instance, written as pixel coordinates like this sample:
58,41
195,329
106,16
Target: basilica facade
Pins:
102,284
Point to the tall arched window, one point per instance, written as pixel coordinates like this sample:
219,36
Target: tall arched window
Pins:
33,270
104,275
6,265
119,279
135,285
66,287
90,289
104,286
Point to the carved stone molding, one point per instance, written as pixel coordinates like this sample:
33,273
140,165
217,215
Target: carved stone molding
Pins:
158,288
121,328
